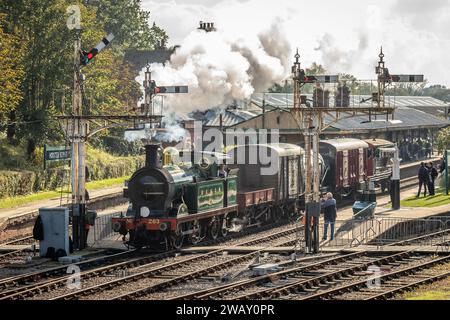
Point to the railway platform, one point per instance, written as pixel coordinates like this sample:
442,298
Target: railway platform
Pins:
33,207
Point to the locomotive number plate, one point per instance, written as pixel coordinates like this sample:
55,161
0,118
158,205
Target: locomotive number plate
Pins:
153,221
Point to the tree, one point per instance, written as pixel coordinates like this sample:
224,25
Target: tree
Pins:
443,140
40,26
316,69
11,55
128,22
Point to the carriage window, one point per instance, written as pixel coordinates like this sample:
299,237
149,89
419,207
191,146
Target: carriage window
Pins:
369,153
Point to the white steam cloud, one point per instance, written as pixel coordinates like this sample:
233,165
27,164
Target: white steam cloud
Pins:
172,132
220,68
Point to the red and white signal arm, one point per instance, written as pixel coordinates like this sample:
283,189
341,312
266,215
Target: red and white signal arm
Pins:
321,79
407,78
172,89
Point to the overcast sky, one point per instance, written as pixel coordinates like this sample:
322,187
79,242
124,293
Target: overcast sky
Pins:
344,35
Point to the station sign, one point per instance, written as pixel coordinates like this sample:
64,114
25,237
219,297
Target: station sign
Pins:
56,154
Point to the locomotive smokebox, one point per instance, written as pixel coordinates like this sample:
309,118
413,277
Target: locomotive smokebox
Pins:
151,156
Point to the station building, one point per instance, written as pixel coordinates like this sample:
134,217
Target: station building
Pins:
414,118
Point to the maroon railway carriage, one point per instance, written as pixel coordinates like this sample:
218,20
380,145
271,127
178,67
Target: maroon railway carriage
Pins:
346,163
379,162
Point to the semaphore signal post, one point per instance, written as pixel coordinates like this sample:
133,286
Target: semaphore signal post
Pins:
310,121
77,130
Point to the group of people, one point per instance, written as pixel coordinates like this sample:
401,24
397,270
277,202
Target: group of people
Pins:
427,176
328,208
416,149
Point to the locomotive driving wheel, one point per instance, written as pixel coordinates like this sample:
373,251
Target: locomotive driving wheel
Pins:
224,226
214,228
177,238
196,235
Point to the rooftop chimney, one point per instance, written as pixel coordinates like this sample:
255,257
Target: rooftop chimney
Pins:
207,26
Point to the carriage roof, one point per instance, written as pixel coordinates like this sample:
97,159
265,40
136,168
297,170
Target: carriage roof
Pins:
281,149
345,144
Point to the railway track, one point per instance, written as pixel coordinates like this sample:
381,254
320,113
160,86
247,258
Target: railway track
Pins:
305,281
15,255
161,277
22,283
19,241
390,283
439,238
20,287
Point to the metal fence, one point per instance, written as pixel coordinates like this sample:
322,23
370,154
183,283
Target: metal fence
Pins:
388,231
102,229
421,232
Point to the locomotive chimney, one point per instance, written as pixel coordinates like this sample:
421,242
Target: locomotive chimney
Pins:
151,156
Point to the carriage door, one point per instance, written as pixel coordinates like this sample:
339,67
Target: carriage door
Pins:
345,168
361,165
293,176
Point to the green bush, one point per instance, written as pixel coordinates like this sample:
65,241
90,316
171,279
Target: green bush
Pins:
16,183
100,164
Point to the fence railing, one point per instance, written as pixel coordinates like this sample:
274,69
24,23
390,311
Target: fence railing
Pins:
102,229
385,231
389,231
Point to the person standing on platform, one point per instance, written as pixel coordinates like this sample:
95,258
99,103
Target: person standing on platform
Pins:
330,214
432,175
423,179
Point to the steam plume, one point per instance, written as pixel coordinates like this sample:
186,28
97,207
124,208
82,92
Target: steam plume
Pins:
220,68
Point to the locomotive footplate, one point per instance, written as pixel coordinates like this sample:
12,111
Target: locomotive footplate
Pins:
207,214
163,224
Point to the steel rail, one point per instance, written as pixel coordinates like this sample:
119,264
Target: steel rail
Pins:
15,284
217,292
355,286
159,270
308,283
394,291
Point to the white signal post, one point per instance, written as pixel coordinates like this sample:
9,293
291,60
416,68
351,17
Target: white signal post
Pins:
151,89
396,179
77,135
77,131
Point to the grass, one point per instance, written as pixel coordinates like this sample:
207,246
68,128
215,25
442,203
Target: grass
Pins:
100,184
21,200
432,295
46,195
439,290
426,202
